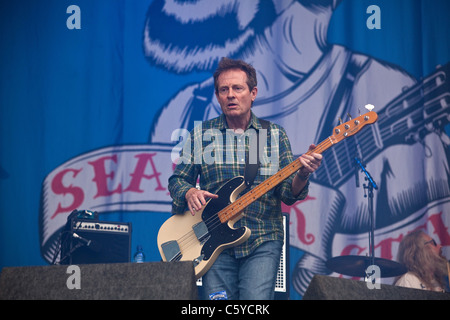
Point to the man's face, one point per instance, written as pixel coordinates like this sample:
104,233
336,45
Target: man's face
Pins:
233,94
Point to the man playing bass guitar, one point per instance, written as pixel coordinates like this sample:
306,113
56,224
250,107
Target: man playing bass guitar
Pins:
221,149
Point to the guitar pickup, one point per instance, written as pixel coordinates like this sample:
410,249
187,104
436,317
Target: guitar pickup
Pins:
171,251
201,231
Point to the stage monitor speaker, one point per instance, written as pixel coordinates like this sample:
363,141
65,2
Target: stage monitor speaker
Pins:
333,288
90,241
112,281
282,281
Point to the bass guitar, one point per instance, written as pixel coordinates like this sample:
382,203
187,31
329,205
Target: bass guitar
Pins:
202,237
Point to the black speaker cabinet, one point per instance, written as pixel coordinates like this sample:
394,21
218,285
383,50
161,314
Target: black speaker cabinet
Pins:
112,281
90,241
332,288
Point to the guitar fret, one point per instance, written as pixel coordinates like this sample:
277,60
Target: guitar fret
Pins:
347,165
377,139
338,167
336,173
323,173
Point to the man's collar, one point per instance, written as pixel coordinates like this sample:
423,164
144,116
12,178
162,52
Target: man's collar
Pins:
254,122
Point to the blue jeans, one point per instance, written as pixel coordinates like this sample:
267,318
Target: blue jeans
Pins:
249,278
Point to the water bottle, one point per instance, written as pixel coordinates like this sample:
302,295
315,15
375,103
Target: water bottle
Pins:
139,256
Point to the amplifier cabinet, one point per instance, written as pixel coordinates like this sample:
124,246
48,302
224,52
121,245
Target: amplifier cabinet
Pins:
90,241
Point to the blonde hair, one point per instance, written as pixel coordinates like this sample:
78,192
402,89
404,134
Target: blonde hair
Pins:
426,265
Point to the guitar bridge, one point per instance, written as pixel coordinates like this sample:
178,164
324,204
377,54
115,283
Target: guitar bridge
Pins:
198,260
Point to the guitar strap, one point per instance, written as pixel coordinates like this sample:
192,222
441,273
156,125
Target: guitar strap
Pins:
251,170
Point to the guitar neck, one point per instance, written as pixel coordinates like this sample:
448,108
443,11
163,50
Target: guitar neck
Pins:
403,121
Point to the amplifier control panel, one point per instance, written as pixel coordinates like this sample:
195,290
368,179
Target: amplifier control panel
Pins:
105,226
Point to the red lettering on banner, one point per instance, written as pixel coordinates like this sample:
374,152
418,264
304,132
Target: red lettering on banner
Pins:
59,188
385,245
440,229
100,176
348,250
138,173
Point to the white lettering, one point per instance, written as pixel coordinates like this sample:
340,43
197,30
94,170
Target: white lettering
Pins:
373,273
193,310
74,280
374,21
74,20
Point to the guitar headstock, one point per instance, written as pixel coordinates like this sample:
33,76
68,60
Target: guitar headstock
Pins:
353,126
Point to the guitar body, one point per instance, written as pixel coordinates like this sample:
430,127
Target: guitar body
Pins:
202,237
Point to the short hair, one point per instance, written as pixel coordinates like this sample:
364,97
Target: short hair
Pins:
229,64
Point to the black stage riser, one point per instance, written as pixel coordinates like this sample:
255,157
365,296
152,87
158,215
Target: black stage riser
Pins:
121,281
332,288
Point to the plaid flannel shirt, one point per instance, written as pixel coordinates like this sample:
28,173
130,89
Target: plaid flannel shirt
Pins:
221,158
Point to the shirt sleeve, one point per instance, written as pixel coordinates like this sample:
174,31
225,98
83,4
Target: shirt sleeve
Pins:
183,178
409,280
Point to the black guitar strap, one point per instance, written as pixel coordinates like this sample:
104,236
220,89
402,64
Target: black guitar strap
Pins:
251,170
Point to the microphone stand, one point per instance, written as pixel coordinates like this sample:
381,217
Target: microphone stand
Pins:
371,185
351,265
69,254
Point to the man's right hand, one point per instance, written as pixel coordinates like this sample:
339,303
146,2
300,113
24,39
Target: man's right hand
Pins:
196,199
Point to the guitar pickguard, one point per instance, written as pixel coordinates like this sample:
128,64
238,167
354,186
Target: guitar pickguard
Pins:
202,237
221,233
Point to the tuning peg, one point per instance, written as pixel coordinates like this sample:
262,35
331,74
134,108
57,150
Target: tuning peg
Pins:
349,116
369,107
359,111
340,120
